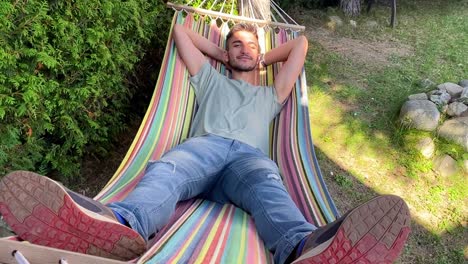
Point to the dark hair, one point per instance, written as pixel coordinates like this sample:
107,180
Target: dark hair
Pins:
242,27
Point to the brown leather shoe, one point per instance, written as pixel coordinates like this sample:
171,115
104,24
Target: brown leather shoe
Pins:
44,212
374,232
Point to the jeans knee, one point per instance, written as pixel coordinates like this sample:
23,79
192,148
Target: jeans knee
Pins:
273,180
274,177
168,165
264,179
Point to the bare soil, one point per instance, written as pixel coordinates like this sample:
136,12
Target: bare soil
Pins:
97,171
374,54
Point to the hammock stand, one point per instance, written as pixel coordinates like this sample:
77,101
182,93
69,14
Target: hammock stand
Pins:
202,231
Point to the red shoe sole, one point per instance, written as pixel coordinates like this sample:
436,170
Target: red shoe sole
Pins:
374,232
40,211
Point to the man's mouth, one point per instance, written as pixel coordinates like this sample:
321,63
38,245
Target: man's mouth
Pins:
244,58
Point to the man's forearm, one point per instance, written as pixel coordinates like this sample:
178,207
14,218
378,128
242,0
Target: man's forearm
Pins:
204,45
281,53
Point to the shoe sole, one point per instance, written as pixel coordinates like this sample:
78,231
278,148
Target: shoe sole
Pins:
40,211
374,232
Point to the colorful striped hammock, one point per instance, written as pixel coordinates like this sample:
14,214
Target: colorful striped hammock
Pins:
202,231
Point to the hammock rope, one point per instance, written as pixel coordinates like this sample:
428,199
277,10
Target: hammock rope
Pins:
286,21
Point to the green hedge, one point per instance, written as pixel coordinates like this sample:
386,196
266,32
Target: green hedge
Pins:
63,66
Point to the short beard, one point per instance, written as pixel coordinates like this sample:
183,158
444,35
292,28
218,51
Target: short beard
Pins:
241,68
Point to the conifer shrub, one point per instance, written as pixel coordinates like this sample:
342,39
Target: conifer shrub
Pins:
63,66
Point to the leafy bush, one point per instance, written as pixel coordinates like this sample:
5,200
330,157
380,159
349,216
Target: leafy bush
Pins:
63,66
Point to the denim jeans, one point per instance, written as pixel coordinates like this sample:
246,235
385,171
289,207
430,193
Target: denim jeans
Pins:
224,171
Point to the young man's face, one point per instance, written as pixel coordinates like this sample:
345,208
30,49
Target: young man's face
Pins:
243,51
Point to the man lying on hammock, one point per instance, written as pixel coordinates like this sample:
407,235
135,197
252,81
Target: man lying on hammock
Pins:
224,161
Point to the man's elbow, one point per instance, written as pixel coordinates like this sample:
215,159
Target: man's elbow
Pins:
304,43
176,29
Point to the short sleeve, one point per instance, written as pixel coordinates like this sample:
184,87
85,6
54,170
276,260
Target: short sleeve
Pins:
203,80
270,100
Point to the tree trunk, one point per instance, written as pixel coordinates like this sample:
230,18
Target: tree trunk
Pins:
351,7
393,18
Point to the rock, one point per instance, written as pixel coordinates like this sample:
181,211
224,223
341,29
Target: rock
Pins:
445,165
439,97
463,83
426,84
456,129
420,114
426,147
464,93
353,23
419,96
463,100
451,88
456,109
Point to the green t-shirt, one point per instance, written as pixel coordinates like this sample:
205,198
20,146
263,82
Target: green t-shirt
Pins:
232,108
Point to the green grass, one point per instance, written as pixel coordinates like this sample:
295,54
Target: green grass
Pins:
343,181
354,108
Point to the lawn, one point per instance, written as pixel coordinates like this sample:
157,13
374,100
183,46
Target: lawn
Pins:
358,77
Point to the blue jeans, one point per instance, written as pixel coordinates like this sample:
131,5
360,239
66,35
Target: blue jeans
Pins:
224,171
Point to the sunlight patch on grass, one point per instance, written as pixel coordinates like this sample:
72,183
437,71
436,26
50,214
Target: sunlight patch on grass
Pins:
373,160
354,110
339,135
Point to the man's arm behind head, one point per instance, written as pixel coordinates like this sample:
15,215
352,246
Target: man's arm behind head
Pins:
293,54
191,47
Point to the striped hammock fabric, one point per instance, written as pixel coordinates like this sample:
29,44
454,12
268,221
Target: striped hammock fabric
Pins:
203,231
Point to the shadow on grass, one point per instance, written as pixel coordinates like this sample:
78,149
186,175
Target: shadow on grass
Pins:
379,155
423,246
